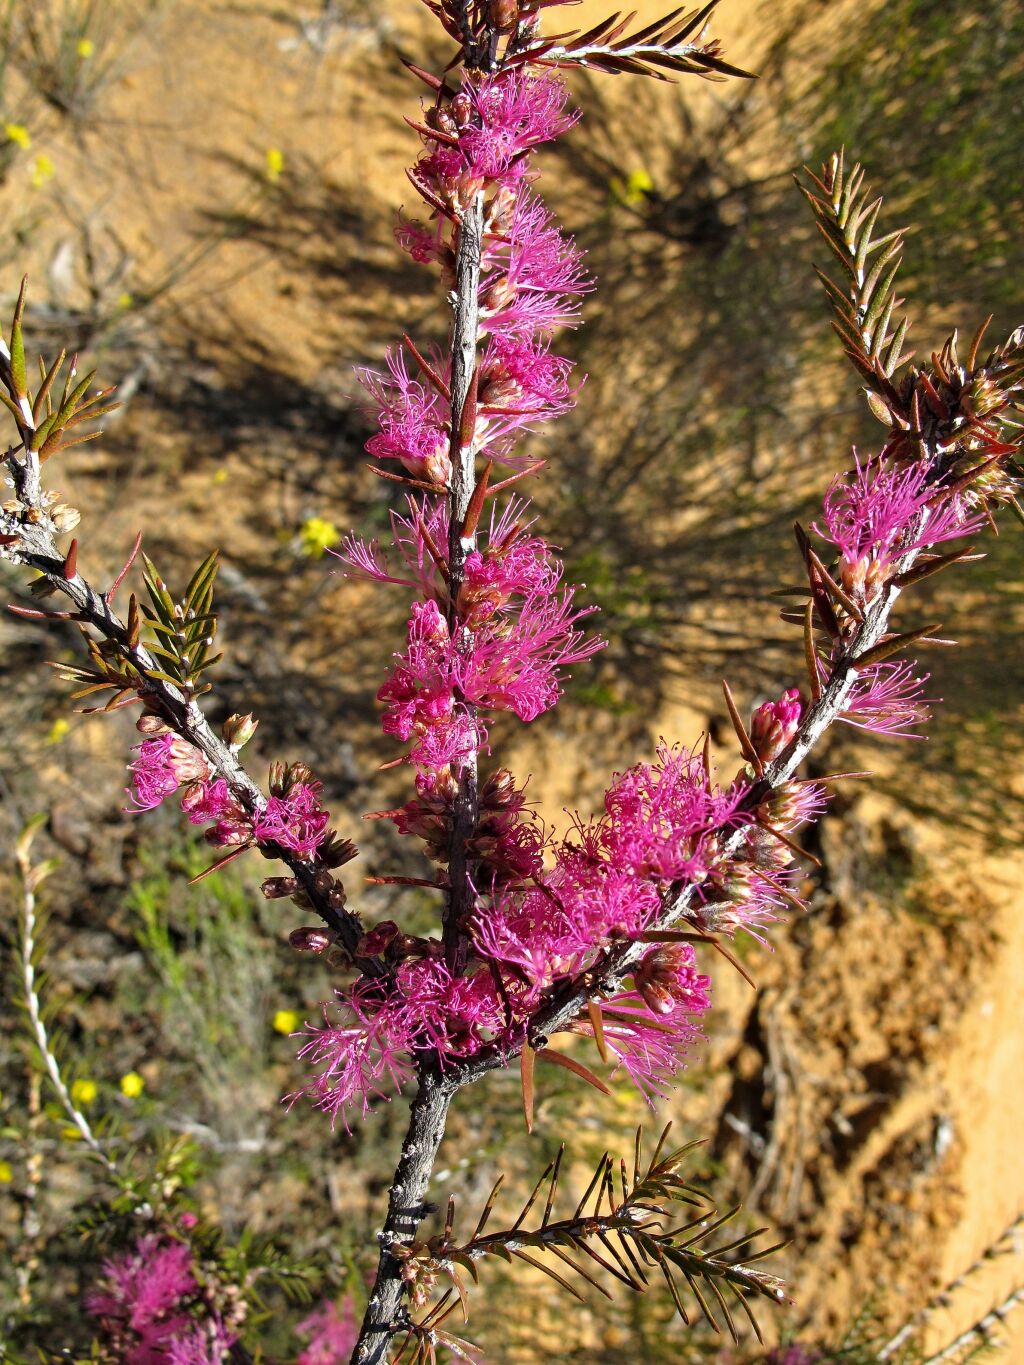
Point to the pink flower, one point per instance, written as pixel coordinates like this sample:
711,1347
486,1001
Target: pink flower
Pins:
332,1330
207,1343
456,1016
419,692
513,664
420,538
651,1051
362,1057
515,111
140,1300
519,665
366,1054
509,845
414,422
533,278
447,178
207,801
664,819
888,700
425,244
449,743
558,927
876,514
295,821
521,384
163,764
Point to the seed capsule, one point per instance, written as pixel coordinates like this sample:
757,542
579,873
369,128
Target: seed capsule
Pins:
503,15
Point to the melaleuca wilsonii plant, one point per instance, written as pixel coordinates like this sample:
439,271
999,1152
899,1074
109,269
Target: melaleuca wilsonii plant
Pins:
591,931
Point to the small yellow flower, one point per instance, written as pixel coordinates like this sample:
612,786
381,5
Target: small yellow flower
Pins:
19,135
132,1085
6,1172
317,535
84,1091
287,1021
274,164
633,190
58,730
125,301
70,1133
42,170
85,47
220,476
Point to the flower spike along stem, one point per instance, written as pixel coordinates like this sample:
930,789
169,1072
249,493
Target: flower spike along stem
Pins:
592,933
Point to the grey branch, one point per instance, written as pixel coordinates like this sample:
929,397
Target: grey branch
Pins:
30,879
465,328
37,548
434,1094
981,1331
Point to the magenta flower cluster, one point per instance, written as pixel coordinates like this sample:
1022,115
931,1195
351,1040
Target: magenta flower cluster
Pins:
873,516
331,1332
165,762
496,632
546,908
155,1307
152,1310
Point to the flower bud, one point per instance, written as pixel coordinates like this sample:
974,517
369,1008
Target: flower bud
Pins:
434,466
463,190
446,787
420,823
148,724
667,980
409,945
437,116
498,790
499,295
276,888
238,730
335,851
500,392
791,804
500,210
228,834
774,724
863,578
64,518
186,762
503,15
310,940
378,939
298,773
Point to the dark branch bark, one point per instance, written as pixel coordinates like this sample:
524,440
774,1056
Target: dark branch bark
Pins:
406,1209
